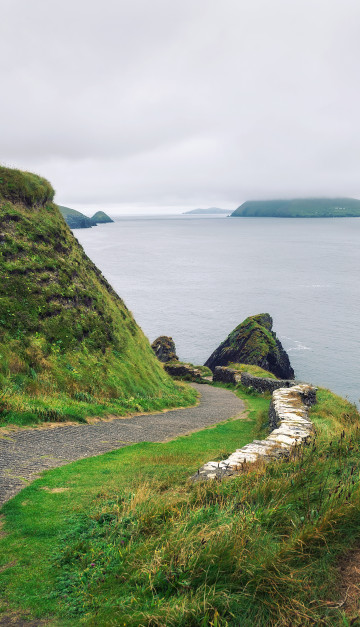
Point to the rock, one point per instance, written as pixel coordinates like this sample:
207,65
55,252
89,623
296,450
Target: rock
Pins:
181,370
253,342
290,427
164,349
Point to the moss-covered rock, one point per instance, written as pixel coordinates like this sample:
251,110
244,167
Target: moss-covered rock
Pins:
164,349
253,342
69,347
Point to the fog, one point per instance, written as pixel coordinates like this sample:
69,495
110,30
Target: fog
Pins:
134,104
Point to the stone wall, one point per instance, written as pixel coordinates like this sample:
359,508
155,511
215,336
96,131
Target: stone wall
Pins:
290,426
260,384
226,375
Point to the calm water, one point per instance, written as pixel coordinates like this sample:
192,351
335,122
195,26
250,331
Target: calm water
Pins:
196,278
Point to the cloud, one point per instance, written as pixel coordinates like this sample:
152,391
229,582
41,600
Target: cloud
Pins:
182,102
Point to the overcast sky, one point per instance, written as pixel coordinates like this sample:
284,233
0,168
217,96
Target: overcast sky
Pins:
185,103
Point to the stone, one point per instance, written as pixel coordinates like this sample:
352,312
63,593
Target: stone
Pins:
290,426
253,342
164,349
180,370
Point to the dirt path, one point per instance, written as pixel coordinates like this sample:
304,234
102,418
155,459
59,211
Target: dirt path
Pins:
26,453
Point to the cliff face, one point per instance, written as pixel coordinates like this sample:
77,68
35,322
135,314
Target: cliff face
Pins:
253,342
66,338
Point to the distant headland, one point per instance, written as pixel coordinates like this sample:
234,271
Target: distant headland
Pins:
77,220
300,208
209,211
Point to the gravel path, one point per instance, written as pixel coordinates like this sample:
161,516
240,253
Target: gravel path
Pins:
26,453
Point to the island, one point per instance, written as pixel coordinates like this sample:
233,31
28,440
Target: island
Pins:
300,208
209,211
77,220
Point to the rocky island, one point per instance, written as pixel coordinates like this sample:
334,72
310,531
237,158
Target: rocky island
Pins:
253,342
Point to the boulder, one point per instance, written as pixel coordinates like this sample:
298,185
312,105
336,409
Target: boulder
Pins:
164,349
253,342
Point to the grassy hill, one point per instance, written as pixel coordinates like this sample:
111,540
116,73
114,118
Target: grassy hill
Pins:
76,219
300,208
69,347
100,217
149,547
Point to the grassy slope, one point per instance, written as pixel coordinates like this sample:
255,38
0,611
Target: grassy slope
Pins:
132,543
76,219
300,208
69,347
255,371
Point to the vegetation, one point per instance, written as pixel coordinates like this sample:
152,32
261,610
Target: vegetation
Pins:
75,219
69,347
300,208
100,218
151,548
253,342
255,371
70,505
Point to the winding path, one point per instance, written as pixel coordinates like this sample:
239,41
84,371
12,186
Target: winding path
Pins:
25,453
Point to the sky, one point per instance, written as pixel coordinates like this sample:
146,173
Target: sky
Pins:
131,105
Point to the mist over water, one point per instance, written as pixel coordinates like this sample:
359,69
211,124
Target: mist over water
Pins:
196,278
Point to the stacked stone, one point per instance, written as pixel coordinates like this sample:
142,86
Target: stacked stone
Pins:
289,420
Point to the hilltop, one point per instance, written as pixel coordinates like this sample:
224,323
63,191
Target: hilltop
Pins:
69,347
300,208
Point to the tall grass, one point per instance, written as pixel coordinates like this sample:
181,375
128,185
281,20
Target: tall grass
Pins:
149,547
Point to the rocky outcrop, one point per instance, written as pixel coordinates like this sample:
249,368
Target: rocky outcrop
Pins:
290,426
164,349
180,370
253,342
223,374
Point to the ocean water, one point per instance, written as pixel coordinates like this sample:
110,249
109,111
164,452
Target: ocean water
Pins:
196,278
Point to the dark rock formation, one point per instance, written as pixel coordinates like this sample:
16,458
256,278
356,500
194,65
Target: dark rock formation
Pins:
253,342
183,371
164,349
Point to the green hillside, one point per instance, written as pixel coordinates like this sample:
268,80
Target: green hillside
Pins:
300,208
100,218
69,347
75,219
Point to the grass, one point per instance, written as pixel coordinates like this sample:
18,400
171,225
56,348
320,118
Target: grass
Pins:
69,347
255,371
132,542
149,479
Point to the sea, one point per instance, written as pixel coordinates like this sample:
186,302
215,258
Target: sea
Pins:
195,278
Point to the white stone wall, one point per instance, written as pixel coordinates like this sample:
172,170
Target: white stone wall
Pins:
289,419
